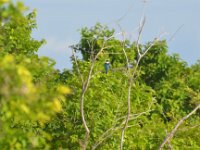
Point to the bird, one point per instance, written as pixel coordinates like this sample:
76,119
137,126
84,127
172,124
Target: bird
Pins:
107,66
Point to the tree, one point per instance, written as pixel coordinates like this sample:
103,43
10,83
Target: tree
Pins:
29,95
143,98
161,87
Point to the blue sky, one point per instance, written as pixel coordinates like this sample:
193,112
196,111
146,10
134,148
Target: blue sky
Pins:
59,21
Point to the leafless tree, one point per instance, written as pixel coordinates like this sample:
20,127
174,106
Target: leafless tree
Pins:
85,84
131,79
133,74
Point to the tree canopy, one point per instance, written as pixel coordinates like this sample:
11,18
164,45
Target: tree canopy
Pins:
144,95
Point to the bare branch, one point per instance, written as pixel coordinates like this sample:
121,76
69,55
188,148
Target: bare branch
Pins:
123,46
125,14
131,80
112,130
129,103
170,136
84,89
141,26
78,70
173,35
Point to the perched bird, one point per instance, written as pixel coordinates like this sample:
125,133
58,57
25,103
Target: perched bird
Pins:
129,65
107,66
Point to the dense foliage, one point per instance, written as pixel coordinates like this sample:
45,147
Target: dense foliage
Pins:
40,106
29,93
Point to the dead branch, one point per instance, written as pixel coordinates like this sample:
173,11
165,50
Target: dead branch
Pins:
84,89
77,66
170,136
175,33
132,79
114,128
141,26
130,86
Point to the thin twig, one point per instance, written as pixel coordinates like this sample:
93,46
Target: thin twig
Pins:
173,35
123,46
112,130
78,70
141,26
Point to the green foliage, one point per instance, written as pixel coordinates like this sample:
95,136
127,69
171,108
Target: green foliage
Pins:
194,79
163,92
92,40
16,29
29,95
37,112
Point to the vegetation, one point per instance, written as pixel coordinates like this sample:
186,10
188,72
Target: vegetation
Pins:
135,106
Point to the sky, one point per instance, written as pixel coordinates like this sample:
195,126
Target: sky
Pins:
59,22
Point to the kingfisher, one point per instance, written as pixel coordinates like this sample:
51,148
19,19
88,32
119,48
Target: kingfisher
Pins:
107,66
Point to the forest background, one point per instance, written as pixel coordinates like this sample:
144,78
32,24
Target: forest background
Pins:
147,100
